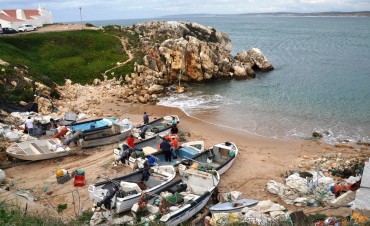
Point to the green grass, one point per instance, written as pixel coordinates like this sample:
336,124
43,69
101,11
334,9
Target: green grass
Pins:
19,217
77,55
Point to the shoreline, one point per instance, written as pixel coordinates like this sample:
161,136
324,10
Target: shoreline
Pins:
259,160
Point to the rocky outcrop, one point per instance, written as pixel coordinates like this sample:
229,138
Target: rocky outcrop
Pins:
195,52
182,51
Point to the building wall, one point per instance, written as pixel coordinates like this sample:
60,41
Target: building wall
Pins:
45,17
14,25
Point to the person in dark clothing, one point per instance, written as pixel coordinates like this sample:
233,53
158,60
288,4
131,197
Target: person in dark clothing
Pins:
165,146
143,131
174,129
146,174
146,118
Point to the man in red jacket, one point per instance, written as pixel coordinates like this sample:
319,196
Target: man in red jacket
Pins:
131,141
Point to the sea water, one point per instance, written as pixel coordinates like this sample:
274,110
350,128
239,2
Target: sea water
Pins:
321,80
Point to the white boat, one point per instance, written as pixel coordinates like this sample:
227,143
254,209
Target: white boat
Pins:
123,192
220,157
160,126
180,201
38,149
185,151
231,207
116,133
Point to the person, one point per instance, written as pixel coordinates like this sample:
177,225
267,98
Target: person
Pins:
146,118
146,174
125,152
131,141
173,121
165,146
174,146
143,131
53,124
174,129
30,125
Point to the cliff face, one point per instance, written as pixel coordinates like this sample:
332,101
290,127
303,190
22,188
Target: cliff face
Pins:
188,52
197,52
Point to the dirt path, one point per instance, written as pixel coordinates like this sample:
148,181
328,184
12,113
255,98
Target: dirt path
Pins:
121,64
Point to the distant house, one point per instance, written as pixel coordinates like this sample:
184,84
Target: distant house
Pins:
15,17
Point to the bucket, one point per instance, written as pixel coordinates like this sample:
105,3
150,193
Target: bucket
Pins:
80,172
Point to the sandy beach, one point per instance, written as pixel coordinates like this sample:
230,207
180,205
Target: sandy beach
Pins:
259,161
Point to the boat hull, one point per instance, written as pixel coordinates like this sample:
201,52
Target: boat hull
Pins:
187,213
229,208
100,141
37,150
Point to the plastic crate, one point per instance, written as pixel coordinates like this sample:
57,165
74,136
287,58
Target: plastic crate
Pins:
79,181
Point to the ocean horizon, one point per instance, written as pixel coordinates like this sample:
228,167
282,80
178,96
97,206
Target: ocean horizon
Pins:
320,82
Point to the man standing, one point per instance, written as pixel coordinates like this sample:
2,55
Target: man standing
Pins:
174,146
165,146
146,118
131,141
30,125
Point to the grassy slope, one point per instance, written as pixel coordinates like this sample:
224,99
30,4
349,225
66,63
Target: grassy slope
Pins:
78,55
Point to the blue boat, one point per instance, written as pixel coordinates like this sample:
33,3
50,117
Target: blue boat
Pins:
185,152
93,125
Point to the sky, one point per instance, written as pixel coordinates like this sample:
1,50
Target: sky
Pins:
69,10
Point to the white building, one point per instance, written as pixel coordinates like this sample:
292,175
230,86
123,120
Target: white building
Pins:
15,17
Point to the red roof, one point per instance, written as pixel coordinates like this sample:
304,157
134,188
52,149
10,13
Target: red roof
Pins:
29,13
11,13
7,18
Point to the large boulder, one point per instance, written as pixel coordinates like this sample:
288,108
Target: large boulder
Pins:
260,60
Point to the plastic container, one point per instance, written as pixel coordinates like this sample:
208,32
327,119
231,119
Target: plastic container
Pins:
64,179
80,172
79,180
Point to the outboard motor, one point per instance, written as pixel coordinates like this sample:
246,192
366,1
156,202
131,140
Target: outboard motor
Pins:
107,200
142,132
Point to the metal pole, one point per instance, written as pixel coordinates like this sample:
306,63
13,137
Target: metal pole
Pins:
80,13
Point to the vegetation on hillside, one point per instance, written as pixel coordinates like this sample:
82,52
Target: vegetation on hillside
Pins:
77,55
13,87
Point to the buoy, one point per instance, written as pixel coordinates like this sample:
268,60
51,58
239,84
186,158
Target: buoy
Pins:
61,172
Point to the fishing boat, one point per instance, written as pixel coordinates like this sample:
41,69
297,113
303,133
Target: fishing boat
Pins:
233,206
159,126
220,157
123,192
118,131
185,151
179,201
93,125
38,149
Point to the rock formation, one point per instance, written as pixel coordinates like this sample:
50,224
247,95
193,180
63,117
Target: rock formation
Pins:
188,52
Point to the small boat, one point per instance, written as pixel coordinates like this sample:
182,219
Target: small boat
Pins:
220,157
184,152
179,201
116,133
159,126
234,206
93,125
38,149
123,192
